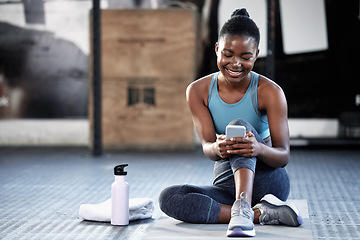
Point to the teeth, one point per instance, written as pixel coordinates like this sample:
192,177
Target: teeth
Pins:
233,72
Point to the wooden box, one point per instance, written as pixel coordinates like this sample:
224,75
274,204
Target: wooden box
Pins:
148,59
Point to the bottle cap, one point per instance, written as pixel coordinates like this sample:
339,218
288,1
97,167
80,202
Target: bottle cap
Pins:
119,169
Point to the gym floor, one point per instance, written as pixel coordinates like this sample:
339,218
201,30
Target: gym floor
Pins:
41,189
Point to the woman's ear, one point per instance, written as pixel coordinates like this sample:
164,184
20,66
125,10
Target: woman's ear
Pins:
257,53
216,48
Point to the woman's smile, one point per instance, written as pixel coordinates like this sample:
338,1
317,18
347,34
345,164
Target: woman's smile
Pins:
236,56
233,73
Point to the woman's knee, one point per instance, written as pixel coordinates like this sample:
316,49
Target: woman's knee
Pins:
248,126
237,162
169,197
180,201
241,122
166,196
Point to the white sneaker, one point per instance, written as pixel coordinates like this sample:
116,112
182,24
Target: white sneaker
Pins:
275,212
242,219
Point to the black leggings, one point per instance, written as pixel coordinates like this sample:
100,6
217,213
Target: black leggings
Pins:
201,204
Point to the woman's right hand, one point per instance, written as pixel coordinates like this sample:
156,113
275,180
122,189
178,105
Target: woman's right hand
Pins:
221,145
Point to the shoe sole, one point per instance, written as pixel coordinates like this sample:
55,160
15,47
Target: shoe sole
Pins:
238,232
291,212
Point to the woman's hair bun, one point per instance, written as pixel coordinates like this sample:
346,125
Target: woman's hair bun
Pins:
240,12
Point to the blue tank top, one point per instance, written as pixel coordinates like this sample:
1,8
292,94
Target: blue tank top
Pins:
247,108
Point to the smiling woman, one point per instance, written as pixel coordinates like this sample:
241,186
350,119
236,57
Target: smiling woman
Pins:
237,47
249,171
236,56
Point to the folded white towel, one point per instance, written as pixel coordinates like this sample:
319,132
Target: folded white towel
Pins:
139,208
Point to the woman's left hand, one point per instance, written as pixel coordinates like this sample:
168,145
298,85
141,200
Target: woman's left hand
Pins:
245,147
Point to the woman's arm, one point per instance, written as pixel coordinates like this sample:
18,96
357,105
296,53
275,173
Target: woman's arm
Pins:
196,95
276,107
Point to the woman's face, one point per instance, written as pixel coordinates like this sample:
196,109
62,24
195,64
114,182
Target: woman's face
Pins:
236,56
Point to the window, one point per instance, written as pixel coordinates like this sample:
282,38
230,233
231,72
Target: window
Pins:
138,95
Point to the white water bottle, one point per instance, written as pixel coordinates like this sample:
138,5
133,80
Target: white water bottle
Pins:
120,197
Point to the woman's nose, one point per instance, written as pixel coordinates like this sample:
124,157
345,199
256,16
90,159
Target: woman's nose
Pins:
237,62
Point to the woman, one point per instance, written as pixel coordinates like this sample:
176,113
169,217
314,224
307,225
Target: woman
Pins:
248,171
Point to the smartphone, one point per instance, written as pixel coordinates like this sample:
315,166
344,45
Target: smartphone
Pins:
235,131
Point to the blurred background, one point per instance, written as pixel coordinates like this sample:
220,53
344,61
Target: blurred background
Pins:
45,65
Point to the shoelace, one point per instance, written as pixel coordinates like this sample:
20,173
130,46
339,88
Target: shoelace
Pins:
244,209
270,217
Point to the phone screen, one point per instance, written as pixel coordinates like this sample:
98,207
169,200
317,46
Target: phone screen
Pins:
235,131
